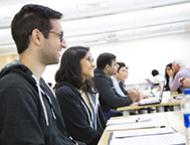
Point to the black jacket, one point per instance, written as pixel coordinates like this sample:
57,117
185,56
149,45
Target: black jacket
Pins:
109,98
22,116
75,114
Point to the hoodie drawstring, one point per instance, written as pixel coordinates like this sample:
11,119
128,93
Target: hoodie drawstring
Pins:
41,100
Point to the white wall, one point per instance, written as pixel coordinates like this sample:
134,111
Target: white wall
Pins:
141,56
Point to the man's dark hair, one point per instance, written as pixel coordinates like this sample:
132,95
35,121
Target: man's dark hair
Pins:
120,65
31,17
105,59
70,68
155,72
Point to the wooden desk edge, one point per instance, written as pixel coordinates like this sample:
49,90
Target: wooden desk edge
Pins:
136,106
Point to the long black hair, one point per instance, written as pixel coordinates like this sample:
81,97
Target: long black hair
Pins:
70,69
167,76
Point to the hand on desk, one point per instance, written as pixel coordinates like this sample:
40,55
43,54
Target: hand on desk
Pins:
184,82
144,96
134,95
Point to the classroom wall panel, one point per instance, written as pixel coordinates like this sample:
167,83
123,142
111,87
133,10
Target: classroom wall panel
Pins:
141,56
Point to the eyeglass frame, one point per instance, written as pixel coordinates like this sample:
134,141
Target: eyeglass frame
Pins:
59,34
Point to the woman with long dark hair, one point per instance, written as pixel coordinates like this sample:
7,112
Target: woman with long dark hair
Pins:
77,96
168,70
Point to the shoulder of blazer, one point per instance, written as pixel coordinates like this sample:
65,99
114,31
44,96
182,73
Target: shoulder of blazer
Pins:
70,87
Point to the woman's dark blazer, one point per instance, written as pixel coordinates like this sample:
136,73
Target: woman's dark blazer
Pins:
75,115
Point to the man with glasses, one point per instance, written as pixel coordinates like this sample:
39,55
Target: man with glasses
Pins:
29,111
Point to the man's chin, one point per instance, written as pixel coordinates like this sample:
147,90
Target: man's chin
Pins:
53,62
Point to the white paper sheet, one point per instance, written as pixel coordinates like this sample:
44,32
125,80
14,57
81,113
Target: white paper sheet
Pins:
128,120
132,124
143,132
163,139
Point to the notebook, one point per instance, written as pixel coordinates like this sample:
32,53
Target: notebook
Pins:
156,94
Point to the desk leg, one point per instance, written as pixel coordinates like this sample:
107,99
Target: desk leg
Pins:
177,108
160,109
125,113
143,111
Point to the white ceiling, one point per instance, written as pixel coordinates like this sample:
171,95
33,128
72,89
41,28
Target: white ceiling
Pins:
92,22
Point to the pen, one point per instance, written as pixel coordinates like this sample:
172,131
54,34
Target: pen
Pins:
148,127
136,128
138,120
143,120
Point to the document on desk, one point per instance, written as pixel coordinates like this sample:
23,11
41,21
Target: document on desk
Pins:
154,136
128,120
143,132
131,124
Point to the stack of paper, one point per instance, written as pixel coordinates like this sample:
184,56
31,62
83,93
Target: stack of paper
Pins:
130,123
153,136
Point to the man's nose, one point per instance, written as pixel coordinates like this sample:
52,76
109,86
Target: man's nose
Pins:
63,44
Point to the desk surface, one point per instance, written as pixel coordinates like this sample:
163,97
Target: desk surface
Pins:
167,100
172,102
173,119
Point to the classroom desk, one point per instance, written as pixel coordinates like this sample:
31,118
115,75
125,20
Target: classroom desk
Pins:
173,119
166,101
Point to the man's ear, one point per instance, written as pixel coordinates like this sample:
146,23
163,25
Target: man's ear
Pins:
107,67
36,36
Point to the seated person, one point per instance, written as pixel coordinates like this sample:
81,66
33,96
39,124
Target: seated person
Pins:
119,80
168,73
157,78
77,97
179,71
109,98
29,111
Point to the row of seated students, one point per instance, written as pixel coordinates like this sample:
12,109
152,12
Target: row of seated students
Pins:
78,97
174,72
77,93
30,112
110,99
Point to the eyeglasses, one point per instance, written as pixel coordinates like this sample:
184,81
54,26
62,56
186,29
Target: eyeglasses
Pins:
60,35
